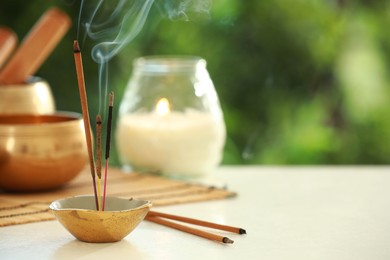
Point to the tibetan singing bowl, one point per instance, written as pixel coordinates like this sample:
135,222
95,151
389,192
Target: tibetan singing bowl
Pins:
41,152
120,217
34,97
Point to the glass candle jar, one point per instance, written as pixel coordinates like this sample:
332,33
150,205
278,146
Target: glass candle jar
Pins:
170,120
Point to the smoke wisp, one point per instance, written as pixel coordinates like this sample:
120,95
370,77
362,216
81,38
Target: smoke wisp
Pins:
113,24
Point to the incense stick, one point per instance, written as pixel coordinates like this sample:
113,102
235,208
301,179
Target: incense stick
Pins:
189,230
99,156
198,222
8,41
108,143
99,194
84,108
99,146
109,122
36,46
105,184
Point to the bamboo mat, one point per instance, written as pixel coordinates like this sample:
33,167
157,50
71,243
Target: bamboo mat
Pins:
20,208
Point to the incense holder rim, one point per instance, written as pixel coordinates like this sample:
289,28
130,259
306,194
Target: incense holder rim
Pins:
87,203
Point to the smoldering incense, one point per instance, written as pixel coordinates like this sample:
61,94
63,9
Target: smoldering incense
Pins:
99,146
109,122
99,157
84,108
108,143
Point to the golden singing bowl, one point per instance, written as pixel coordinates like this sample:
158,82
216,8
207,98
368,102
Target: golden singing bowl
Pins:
34,97
120,217
40,152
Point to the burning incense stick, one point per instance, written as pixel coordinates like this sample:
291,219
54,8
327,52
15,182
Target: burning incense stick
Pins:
8,41
109,122
99,146
36,46
99,156
84,108
108,143
198,222
189,230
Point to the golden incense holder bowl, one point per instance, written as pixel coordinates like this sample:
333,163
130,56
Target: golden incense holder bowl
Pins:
40,152
120,217
34,97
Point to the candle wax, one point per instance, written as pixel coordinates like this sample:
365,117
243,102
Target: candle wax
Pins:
183,144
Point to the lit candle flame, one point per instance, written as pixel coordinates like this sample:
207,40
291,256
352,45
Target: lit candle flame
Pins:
163,107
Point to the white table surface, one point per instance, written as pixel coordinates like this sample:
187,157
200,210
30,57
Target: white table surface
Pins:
288,212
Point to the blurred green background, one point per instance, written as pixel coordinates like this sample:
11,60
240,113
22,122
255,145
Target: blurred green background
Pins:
299,81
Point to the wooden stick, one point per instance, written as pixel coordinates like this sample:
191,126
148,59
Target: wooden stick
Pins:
8,41
108,142
36,46
99,157
84,108
109,123
99,146
198,222
105,185
99,194
190,230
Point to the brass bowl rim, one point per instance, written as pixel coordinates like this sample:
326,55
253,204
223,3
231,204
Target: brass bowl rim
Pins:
54,205
58,118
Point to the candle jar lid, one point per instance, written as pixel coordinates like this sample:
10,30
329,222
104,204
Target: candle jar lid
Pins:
170,118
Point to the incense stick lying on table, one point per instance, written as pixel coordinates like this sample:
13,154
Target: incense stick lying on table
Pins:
84,108
198,222
190,230
158,217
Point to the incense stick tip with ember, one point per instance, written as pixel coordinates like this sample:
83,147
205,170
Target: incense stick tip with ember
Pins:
76,46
